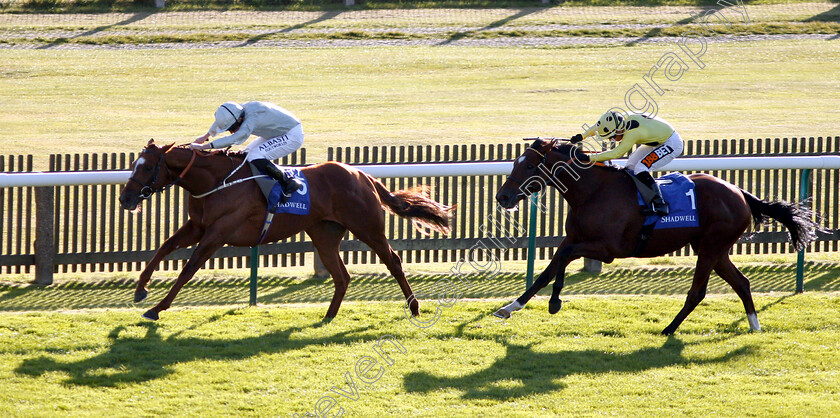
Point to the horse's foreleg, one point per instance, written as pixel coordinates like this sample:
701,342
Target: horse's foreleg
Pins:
205,249
186,235
594,250
697,291
556,268
726,270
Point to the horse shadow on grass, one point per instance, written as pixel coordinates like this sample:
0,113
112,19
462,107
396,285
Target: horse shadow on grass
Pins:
525,372
131,360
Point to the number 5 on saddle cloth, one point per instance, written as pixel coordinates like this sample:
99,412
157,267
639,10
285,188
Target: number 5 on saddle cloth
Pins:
297,204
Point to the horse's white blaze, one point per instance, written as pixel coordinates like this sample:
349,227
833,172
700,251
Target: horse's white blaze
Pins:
140,161
520,159
753,320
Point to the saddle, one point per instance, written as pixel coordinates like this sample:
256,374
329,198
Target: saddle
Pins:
646,193
265,182
297,204
678,190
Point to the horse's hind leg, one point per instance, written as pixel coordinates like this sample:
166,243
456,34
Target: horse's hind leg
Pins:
741,284
186,235
379,244
327,236
705,263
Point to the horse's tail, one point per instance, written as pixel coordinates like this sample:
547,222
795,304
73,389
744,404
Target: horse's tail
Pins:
416,205
799,220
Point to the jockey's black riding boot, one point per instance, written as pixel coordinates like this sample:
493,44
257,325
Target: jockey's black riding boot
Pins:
290,184
657,205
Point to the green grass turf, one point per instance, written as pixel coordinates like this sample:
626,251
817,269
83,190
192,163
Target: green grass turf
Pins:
598,355
373,283
245,37
87,101
51,30
99,6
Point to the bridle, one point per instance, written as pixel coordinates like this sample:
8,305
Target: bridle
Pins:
544,159
146,190
543,156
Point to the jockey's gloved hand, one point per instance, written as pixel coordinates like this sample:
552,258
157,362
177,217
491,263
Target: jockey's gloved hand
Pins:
576,138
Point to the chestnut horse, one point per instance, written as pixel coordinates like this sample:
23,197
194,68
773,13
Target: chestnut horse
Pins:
604,222
342,198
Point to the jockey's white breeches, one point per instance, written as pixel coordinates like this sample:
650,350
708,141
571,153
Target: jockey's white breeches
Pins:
277,147
649,158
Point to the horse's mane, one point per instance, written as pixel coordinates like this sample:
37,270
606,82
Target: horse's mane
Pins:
233,154
223,153
210,153
566,149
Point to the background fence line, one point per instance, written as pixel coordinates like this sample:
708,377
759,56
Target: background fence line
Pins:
93,234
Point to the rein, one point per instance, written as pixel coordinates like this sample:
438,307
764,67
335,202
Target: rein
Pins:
225,185
544,158
568,161
146,190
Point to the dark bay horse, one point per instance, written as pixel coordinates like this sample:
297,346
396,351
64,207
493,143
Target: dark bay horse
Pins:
342,198
604,222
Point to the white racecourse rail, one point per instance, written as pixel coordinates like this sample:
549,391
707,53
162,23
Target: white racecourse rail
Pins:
41,179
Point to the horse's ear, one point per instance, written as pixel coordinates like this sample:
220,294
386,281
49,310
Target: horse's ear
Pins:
151,142
536,141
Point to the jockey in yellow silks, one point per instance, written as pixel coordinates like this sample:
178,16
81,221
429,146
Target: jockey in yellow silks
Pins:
659,144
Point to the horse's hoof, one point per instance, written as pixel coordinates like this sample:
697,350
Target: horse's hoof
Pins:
554,306
502,313
415,309
151,315
413,305
668,331
140,296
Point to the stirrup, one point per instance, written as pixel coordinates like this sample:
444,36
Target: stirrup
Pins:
656,210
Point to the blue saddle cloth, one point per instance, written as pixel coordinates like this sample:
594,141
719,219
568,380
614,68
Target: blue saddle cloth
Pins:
298,204
678,190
